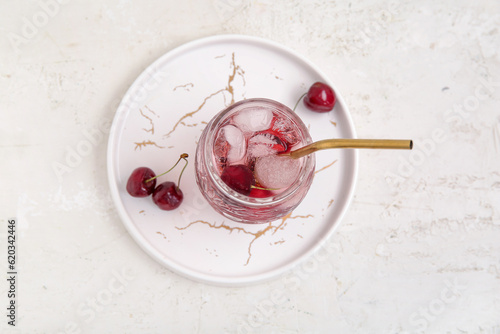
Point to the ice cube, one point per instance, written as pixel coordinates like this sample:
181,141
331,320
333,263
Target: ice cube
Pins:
263,144
252,120
276,172
286,129
221,149
236,141
221,146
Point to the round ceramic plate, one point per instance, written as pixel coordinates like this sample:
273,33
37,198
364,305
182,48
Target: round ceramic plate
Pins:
163,115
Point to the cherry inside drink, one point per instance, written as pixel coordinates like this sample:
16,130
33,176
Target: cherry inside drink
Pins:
239,166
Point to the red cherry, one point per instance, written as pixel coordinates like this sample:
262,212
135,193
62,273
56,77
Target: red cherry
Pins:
260,193
168,196
137,185
239,178
320,97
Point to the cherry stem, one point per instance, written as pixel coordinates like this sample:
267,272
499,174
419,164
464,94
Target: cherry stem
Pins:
256,187
183,156
182,171
300,98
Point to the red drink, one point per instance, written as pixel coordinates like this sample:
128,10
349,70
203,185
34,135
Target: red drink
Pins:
238,165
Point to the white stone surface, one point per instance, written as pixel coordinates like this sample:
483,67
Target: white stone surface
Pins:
418,251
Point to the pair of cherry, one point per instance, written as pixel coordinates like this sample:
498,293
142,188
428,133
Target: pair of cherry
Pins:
168,196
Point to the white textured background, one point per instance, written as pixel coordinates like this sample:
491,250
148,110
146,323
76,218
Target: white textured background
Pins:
418,251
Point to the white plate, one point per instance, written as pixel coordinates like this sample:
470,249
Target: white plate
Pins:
163,115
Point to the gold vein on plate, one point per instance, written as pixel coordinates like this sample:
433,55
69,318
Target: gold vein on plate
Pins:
255,235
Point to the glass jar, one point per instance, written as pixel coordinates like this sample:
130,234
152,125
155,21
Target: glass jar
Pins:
244,208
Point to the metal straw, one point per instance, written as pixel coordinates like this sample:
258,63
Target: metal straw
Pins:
351,143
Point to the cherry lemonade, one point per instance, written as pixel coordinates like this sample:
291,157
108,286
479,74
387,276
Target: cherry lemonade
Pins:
239,169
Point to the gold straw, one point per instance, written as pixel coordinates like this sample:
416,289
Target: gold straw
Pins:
351,143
